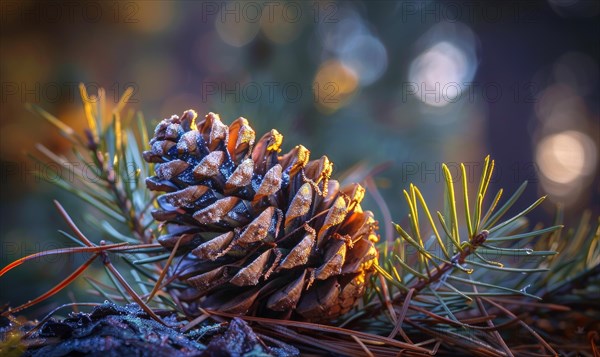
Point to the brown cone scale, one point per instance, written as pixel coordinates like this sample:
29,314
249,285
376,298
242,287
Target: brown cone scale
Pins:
259,233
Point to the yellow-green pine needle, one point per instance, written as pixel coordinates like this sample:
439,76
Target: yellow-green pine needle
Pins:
522,213
447,230
452,202
486,163
413,217
466,200
493,205
488,178
478,207
410,269
414,202
123,100
432,223
67,131
89,115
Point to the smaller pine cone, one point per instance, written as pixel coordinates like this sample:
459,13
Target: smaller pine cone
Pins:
259,233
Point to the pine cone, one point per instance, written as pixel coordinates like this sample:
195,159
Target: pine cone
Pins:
261,234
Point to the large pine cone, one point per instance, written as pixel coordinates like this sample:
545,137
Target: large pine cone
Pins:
260,234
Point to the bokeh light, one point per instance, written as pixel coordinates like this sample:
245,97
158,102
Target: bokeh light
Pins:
367,56
337,34
566,154
564,159
447,65
350,41
334,85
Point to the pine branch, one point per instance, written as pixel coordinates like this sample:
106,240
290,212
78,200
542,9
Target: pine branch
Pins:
117,189
111,152
446,268
427,281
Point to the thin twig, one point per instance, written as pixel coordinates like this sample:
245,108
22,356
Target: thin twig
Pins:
72,225
401,316
363,346
535,334
164,270
386,297
58,287
490,323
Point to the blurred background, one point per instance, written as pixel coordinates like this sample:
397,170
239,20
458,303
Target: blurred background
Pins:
408,84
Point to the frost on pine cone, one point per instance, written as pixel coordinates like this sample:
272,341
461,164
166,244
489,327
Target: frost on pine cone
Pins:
261,234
